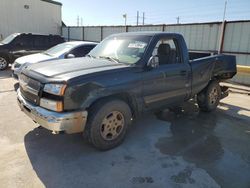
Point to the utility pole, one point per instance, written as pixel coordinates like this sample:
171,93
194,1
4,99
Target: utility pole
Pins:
178,20
137,18
77,20
81,21
125,17
225,8
143,18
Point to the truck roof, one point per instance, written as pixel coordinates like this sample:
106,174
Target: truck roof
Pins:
80,42
147,33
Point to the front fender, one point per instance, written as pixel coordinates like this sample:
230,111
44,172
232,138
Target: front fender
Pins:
79,96
82,97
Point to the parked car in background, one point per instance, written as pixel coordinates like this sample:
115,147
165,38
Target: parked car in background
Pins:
20,44
61,51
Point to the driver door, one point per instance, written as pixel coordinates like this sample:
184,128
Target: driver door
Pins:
166,84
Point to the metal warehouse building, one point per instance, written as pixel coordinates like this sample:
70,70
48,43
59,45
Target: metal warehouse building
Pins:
36,16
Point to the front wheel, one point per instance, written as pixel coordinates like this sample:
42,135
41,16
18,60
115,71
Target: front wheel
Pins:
107,124
3,63
209,98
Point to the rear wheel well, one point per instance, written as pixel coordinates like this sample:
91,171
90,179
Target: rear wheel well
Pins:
127,98
5,56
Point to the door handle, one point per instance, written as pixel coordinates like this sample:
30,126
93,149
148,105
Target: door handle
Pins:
183,72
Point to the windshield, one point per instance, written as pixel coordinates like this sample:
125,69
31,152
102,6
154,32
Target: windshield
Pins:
123,49
59,49
9,38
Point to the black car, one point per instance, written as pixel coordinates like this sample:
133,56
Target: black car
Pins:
20,44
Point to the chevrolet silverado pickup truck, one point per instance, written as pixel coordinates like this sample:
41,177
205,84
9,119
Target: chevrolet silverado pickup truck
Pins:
127,74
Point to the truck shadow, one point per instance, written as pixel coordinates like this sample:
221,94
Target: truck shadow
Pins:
54,157
192,136
70,161
205,139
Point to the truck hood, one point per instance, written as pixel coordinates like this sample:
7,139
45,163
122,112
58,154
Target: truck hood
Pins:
34,58
65,69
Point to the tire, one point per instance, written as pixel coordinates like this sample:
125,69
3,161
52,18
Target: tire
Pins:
209,98
107,124
3,63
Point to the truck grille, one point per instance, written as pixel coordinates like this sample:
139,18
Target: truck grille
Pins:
29,89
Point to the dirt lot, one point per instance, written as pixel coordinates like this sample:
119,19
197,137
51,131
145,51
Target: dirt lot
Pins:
182,149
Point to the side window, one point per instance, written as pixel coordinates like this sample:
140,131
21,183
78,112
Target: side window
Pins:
81,51
54,40
89,48
167,52
41,42
24,41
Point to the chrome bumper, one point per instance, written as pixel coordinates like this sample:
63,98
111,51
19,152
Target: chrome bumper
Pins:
69,122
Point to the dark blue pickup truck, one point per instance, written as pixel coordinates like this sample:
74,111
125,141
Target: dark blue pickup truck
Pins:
125,75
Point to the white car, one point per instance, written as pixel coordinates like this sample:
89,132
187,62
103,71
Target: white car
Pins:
61,51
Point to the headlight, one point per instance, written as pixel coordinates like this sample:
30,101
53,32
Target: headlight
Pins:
51,104
55,89
23,65
16,65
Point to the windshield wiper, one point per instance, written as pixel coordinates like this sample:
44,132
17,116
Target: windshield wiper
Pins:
109,58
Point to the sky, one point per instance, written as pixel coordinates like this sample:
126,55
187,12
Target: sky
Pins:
110,12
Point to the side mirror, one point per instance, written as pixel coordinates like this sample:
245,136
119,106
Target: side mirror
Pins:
153,62
68,56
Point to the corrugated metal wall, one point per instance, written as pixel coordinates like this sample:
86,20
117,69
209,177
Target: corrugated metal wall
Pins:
93,33
204,37
237,37
29,16
198,36
144,28
76,33
65,33
112,30
237,42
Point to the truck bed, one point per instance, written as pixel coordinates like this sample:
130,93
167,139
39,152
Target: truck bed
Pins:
208,67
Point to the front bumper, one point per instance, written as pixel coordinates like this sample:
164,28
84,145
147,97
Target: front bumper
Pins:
69,122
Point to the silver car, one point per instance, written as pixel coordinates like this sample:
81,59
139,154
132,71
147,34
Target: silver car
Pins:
61,51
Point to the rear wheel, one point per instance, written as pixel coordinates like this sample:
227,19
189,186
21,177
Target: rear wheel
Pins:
209,98
3,63
107,124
